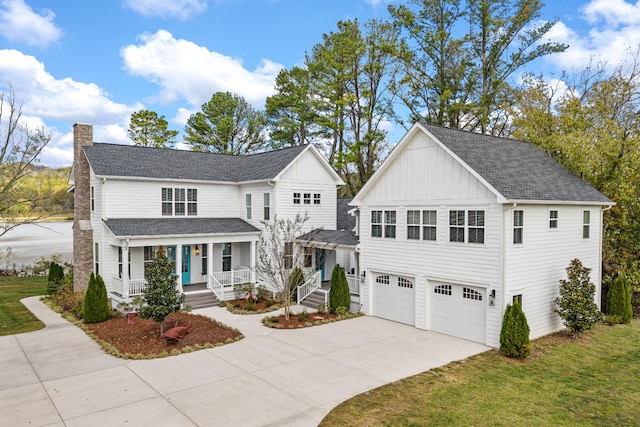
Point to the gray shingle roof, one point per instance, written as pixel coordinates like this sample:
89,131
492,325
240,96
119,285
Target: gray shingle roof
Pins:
147,162
132,227
518,170
344,235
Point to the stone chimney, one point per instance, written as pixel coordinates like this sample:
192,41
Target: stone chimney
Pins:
82,229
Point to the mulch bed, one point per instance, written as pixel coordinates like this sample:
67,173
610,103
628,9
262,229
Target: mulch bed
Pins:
294,322
142,337
260,306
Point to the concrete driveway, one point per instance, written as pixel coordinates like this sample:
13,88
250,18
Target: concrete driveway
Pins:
58,376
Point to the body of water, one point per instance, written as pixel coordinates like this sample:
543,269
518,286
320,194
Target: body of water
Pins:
31,242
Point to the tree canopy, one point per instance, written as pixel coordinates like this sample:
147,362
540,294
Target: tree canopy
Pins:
147,129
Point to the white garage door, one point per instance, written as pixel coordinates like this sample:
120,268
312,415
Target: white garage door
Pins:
394,298
458,310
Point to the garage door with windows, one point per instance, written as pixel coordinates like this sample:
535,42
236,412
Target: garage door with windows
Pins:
458,310
394,298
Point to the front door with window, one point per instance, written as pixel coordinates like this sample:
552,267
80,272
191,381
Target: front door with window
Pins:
320,257
186,264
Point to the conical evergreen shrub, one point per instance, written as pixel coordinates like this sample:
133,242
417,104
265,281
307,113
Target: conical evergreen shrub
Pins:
514,335
295,279
339,295
96,304
54,279
619,300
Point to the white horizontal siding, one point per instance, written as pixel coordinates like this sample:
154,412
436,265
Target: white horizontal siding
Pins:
535,267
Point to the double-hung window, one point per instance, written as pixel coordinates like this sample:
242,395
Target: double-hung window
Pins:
167,201
205,249
266,206
476,226
429,224
553,219
456,226
226,257
296,198
316,198
518,227
586,224
248,205
390,224
376,223
306,198
413,225
179,205
192,201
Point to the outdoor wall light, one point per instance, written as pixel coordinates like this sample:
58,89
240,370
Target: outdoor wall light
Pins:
197,250
492,298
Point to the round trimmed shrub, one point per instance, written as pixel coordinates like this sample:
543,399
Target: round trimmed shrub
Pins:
514,335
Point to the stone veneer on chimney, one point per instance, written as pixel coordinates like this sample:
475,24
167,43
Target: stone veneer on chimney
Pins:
82,229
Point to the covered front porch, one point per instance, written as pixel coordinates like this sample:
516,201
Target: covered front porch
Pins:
203,261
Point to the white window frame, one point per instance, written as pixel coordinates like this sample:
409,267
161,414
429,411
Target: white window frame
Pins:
297,197
192,201
93,199
266,204
316,198
586,224
518,227
390,219
167,201
554,219
179,202
248,205
96,257
476,226
306,198
376,223
425,222
457,224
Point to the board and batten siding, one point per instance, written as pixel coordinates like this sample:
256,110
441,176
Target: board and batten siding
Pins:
257,191
425,172
535,267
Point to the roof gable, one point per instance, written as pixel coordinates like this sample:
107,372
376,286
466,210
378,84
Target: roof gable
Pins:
513,170
146,162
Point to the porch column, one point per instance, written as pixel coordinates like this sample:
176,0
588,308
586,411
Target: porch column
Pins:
209,264
252,261
179,267
125,269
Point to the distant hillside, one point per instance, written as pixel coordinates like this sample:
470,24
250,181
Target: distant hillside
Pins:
44,192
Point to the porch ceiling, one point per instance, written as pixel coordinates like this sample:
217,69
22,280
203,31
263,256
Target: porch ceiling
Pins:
158,227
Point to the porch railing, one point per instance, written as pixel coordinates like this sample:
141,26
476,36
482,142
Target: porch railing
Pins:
216,287
309,286
233,277
136,287
354,284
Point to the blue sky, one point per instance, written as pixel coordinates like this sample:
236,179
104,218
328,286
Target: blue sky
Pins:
98,61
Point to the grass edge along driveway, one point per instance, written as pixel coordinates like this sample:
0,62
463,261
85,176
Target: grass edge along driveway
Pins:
15,318
591,380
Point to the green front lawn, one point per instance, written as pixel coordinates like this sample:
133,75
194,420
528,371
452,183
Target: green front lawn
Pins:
14,317
592,380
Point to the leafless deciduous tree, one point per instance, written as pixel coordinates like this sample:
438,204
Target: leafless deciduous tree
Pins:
279,256
20,147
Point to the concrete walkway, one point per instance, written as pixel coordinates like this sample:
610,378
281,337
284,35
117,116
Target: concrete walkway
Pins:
58,376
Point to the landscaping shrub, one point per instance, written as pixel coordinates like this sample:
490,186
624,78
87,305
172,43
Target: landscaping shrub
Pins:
576,305
67,299
339,295
96,304
619,300
514,335
303,316
54,280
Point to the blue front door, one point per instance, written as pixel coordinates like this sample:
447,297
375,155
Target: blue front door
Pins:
320,256
186,264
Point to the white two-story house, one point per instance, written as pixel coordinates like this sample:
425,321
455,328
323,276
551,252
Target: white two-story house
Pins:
205,209
455,225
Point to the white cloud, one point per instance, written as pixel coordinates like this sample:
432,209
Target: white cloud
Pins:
19,23
184,69
181,9
614,29
614,12
47,100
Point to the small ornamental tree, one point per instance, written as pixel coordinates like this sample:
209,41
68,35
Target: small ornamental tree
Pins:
576,305
161,298
619,300
339,295
514,335
96,304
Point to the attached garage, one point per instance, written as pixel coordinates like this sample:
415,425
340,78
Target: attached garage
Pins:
458,310
394,298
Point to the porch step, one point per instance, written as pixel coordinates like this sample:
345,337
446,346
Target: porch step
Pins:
200,300
313,300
